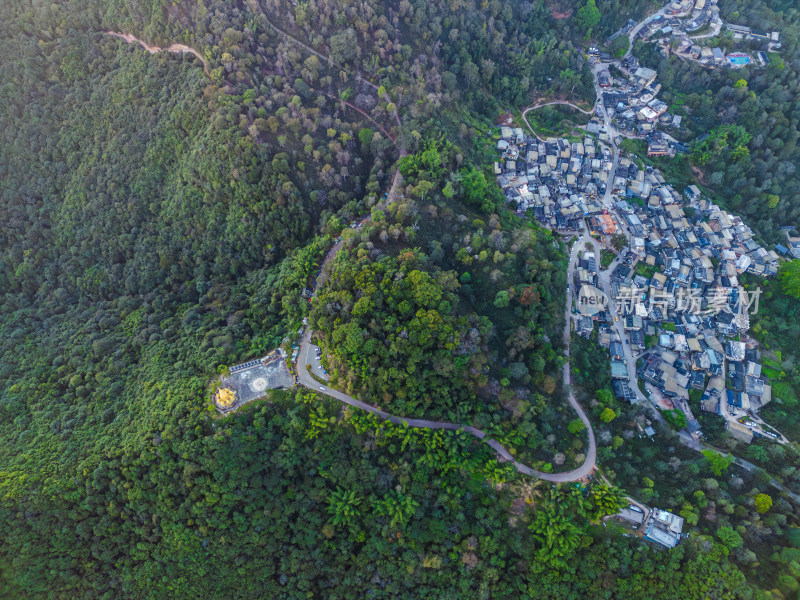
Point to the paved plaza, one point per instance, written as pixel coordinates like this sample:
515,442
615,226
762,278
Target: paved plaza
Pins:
256,378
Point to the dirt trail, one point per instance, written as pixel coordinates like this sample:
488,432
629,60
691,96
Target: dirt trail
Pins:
174,48
551,103
393,138
328,59
561,103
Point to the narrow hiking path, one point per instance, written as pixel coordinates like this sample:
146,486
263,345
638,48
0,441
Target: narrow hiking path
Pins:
358,110
308,48
183,49
551,103
173,48
559,103
330,61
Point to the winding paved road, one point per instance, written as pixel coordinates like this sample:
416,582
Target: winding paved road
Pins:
308,381
633,32
716,27
587,467
581,472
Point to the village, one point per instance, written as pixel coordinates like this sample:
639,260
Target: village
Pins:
683,27
675,314
668,263
629,91
631,103
675,282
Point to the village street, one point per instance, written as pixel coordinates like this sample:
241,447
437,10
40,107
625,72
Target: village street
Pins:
604,280
604,275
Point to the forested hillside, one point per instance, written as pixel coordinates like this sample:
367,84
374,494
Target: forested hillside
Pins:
440,308
490,54
158,223
143,213
161,222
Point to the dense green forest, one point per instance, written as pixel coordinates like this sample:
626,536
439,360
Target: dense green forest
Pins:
287,500
436,309
486,53
161,223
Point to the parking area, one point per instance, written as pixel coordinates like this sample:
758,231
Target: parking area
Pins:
316,366
252,381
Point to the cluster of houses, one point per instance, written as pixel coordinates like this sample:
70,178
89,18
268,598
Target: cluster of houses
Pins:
792,247
559,180
682,17
714,57
686,17
742,32
678,284
635,110
659,526
677,291
744,389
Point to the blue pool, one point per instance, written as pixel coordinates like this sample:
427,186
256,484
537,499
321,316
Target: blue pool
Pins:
739,60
